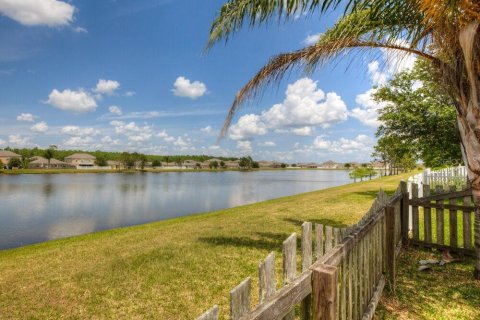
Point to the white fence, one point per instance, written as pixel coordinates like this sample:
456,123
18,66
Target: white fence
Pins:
444,177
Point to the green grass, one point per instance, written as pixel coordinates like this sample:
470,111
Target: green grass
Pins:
447,292
173,269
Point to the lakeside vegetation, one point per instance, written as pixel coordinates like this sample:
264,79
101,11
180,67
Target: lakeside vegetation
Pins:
172,269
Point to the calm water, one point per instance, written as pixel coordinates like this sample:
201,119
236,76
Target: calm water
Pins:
36,208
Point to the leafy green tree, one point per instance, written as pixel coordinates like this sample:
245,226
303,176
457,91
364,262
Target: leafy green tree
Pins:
156,163
101,161
214,164
444,32
127,160
283,165
347,165
246,162
49,154
14,163
419,112
222,164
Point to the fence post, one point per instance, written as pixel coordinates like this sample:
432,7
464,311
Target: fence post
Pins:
404,212
324,292
390,245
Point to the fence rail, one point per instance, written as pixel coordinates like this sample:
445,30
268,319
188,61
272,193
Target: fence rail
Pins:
442,218
344,270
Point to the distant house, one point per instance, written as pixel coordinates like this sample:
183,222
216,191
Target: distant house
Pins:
114,165
190,164
232,164
378,165
310,165
206,164
42,163
81,160
330,165
6,155
269,164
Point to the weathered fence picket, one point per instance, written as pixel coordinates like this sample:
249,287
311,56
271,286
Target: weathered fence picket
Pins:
352,265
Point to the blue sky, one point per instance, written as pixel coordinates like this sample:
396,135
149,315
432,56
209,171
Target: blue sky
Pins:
133,75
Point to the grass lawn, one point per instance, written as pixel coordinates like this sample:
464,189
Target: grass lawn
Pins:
173,269
447,292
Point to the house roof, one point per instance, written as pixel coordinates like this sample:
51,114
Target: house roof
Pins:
81,156
42,160
6,153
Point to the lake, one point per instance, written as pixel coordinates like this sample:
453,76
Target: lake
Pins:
40,207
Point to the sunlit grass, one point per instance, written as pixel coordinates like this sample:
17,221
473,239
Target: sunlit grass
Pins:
173,269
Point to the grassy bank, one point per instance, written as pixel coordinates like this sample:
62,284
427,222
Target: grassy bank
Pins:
172,269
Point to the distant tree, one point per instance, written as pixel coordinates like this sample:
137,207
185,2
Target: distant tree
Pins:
101,161
347,165
127,160
14,163
283,165
50,153
255,164
156,163
198,165
214,164
370,172
143,161
245,163
294,165
222,164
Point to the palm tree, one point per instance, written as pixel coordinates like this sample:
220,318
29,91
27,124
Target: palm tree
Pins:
444,32
50,153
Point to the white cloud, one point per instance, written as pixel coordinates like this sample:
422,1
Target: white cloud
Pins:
18,140
304,108
2,142
107,87
183,87
108,140
267,144
129,94
305,105
303,131
115,110
73,101
39,127
80,30
38,12
361,144
368,108
79,142
247,126
27,117
77,131
180,142
207,129
244,146
312,39
377,76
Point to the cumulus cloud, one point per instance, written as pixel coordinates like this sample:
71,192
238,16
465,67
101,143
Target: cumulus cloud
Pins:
247,126
38,12
312,39
39,127
115,110
361,144
129,94
72,101
207,129
303,131
305,107
244,146
27,117
80,30
267,144
79,142
78,131
107,87
18,140
368,109
183,87
108,140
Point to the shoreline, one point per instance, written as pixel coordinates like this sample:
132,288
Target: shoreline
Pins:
147,270
92,171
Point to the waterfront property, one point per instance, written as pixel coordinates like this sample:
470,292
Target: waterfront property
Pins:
43,163
6,155
81,160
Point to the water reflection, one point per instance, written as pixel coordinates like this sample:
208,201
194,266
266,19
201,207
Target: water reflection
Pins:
37,208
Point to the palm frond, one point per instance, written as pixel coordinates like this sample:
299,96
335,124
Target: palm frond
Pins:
308,58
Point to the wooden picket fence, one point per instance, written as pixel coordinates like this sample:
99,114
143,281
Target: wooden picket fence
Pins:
442,218
347,278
